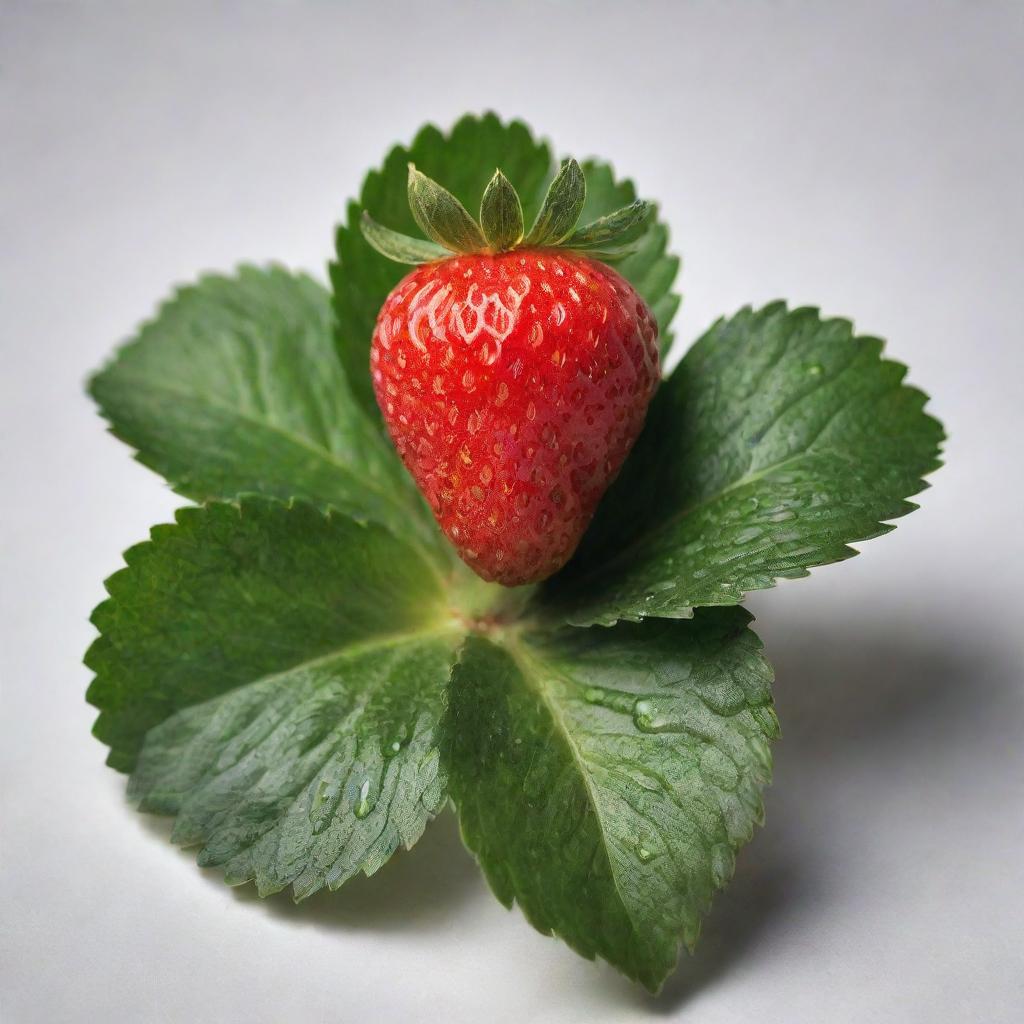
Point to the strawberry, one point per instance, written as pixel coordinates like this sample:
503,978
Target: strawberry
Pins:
513,373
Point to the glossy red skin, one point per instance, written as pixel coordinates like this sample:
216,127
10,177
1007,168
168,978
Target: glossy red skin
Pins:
513,387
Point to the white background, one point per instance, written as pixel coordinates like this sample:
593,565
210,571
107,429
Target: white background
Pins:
864,157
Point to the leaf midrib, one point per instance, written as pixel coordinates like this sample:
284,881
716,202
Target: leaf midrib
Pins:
524,661
353,650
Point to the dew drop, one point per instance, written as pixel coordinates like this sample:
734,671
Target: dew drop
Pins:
814,370
364,806
650,716
321,811
643,854
395,741
614,700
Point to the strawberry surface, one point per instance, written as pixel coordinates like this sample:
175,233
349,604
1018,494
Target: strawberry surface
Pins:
513,386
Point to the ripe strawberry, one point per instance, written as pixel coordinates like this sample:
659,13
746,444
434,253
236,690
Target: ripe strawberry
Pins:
513,379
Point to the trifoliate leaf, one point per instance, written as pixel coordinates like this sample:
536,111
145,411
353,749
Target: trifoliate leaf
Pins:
235,386
779,440
605,778
275,676
464,161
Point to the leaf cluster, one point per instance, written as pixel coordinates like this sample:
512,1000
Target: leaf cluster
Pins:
302,674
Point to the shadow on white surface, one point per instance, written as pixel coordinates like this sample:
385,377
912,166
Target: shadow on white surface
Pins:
417,889
858,700
873,714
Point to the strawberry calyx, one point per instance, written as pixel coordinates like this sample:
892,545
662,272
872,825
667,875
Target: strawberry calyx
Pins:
452,231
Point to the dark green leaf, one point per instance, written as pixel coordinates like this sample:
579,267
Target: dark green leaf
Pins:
779,440
605,778
562,207
235,387
275,675
441,216
398,247
501,214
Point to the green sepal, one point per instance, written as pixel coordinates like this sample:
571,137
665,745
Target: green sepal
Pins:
562,207
398,247
611,228
501,214
441,216
609,253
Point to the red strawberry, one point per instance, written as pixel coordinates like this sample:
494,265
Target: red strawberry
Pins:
513,383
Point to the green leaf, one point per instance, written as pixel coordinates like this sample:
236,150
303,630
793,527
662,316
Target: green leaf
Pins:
235,387
441,216
501,214
779,440
562,207
605,778
398,247
275,675
464,161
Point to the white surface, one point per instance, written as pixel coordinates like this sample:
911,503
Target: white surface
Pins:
864,158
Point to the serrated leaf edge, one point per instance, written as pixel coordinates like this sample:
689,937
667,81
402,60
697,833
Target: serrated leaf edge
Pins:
757,647
845,551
